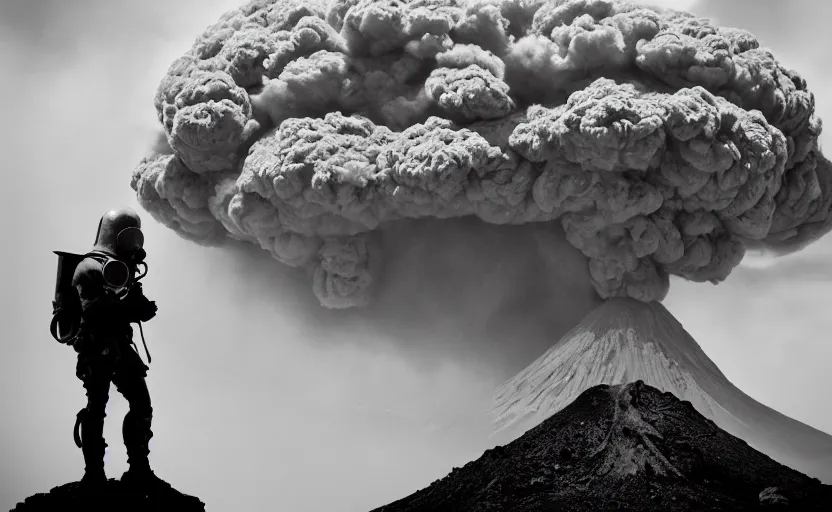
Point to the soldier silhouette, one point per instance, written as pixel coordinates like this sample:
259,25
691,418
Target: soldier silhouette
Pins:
92,312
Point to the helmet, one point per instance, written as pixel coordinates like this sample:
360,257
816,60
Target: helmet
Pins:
120,235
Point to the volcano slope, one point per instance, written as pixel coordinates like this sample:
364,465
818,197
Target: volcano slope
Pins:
625,340
626,447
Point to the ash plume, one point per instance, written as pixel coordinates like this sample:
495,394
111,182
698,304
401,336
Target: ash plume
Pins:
660,143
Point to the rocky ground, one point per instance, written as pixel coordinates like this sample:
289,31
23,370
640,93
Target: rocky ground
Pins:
626,447
114,497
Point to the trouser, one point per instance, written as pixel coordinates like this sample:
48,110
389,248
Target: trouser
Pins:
125,369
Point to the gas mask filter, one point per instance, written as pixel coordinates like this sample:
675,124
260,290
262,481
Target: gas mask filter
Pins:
116,273
129,247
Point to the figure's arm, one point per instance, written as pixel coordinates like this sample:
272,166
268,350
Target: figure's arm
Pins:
138,307
99,306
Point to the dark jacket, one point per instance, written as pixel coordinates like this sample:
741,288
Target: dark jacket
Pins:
107,312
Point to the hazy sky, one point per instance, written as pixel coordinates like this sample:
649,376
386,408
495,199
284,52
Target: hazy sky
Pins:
263,401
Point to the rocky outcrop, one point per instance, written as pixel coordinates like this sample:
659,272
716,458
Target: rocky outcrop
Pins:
115,496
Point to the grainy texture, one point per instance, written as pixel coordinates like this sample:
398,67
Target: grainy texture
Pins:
627,447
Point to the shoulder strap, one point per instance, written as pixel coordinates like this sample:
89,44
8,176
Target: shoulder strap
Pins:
98,256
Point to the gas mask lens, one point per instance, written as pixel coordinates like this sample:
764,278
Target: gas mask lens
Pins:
129,244
116,273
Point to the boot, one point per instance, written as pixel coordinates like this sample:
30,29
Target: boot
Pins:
140,478
93,447
137,435
94,479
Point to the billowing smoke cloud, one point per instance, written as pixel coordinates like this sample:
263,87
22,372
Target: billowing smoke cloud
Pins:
661,144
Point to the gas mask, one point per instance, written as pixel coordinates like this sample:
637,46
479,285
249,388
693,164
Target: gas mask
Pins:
121,238
130,255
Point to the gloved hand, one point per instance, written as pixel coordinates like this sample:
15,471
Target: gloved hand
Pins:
147,311
140,308
135,293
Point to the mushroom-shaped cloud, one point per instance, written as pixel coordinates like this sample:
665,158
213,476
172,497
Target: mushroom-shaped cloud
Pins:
663,144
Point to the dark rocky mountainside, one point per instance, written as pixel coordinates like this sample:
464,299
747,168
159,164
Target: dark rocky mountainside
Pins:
625,447
625,340
115,497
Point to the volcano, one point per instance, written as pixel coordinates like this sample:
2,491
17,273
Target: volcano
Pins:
627,447
625,340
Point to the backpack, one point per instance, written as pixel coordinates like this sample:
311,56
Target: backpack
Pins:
66,308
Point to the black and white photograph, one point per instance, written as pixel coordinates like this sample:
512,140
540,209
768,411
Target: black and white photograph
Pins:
416,255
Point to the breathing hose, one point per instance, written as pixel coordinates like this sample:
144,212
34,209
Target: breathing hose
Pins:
141,330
